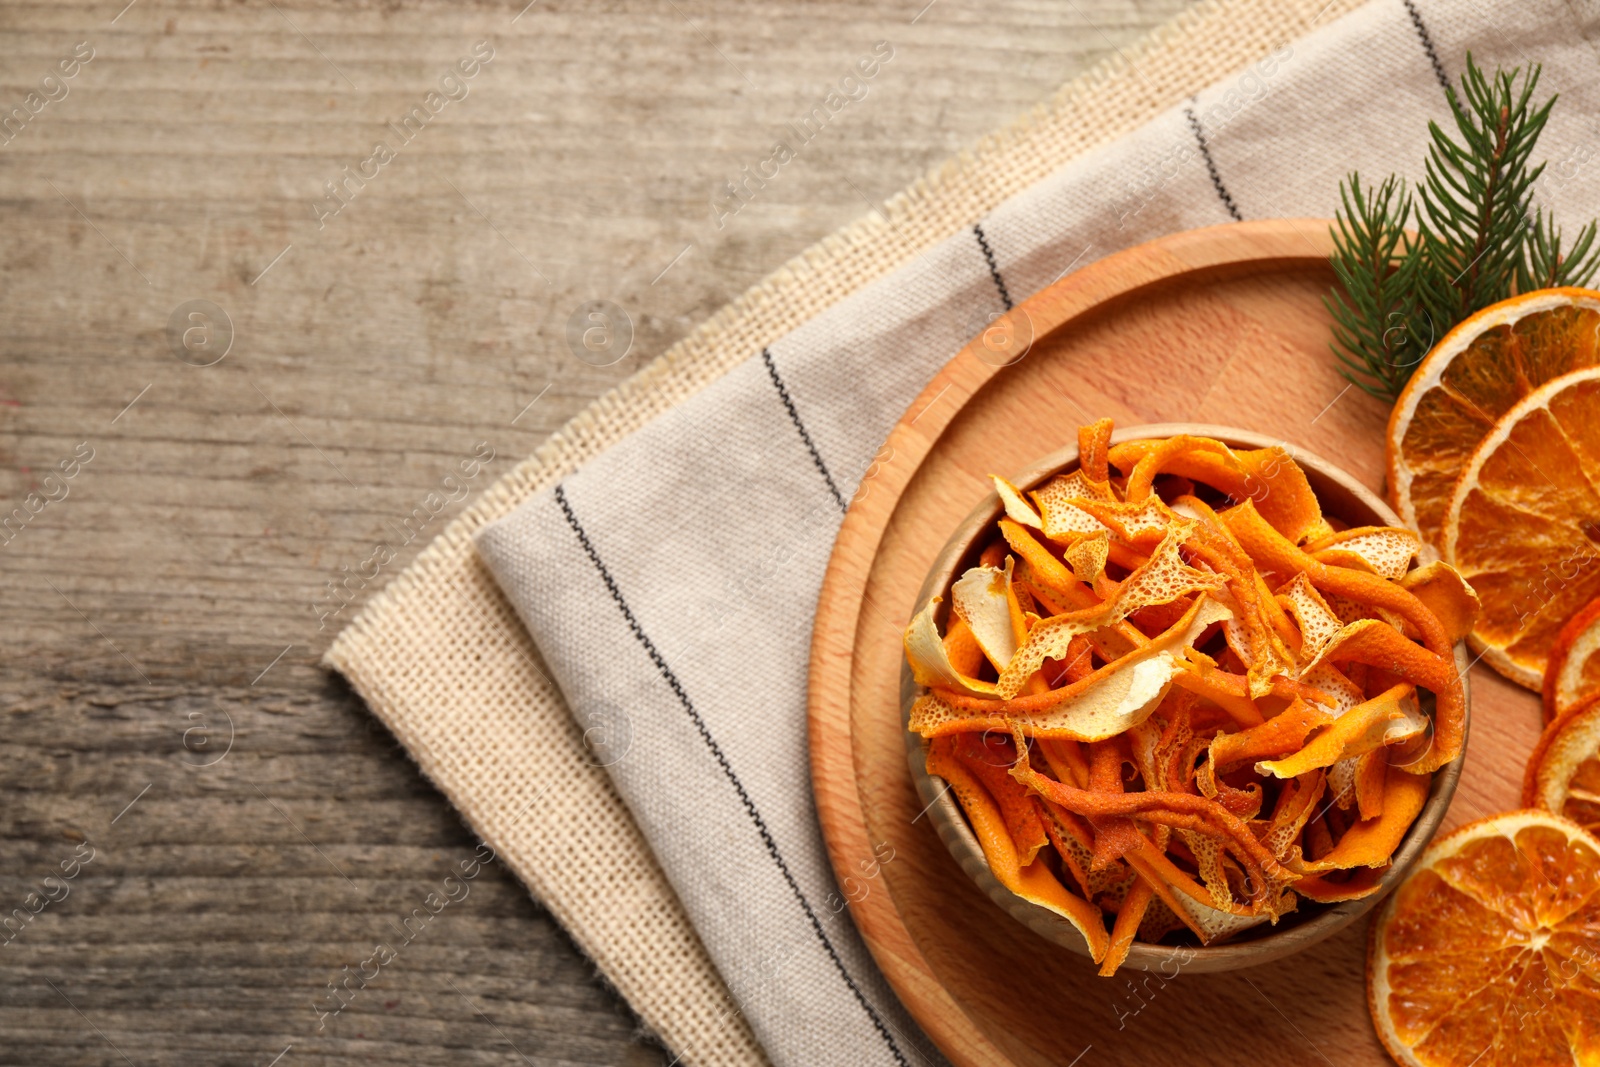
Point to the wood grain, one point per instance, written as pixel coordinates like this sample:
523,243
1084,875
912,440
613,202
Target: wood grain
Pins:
1224,327
181,581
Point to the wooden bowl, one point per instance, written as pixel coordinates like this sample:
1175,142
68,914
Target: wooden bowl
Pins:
1341,496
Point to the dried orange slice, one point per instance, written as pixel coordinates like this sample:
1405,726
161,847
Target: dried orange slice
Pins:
1523,526
1487,954
1474,375
1572,675
1564,771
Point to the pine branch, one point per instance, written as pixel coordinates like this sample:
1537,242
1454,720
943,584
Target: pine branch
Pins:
1544,265
1374,308
1478,236
1473,220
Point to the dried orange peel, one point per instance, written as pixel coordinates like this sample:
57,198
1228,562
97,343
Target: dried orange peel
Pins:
1033,882
1173,699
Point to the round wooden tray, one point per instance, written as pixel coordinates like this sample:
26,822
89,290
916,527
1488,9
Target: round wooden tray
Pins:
1224,326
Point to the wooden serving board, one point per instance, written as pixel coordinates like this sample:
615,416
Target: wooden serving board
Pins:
1221,326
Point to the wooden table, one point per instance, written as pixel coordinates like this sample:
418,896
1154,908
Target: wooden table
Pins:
253,831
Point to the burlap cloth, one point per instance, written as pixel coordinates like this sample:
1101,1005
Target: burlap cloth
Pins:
441,659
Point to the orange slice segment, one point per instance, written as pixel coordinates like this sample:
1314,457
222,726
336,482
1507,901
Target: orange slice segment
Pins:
1523,526
1572,674
1564,771
1474,375
1488,953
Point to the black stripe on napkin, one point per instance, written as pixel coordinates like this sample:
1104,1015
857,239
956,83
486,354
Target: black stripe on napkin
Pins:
794,417
994,268
671,679
1211,165
1427,43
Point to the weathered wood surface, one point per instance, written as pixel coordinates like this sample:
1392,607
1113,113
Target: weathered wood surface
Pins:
170,597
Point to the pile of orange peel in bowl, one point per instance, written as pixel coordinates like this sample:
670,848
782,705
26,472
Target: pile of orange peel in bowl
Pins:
1173,695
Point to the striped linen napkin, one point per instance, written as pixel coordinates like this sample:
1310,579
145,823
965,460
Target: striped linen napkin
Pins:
670,583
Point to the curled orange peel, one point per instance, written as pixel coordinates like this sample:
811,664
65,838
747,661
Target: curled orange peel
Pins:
1296,806
1097,706
1087,558
1018,509
1368,778
1379,645
1094,445
985,598
1388,718
1066,760
1103,704
1444,592
1273,552
1073,839
1195,905
961,648
1384,550
1047,573
1371,842
1230,692
1162,579
986,757
1432,667
1060,506
1325,684
1130,917
1316,621
1277,616
1143,460
1280,735
929,657
1323,889
1261,633
1136,526
1177,810
1033,882
1267,476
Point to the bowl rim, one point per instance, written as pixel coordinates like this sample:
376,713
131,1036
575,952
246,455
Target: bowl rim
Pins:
1274,942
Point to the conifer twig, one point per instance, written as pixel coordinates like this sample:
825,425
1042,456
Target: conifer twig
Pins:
1478,237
